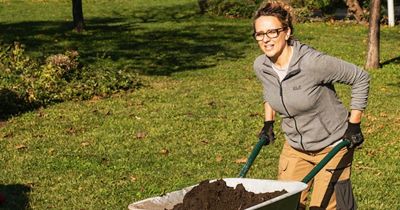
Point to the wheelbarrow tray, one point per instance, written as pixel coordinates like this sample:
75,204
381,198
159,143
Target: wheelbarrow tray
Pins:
287,201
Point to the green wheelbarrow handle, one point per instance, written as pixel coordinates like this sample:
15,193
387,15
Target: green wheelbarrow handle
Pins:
252,157
325,160
310,175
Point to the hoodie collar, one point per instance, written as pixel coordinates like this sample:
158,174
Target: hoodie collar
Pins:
293,66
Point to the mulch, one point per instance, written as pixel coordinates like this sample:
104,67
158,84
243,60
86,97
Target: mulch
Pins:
217,196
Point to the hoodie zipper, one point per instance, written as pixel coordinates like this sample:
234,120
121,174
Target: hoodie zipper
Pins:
287,111
291,73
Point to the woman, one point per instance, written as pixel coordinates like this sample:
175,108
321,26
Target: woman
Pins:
298,84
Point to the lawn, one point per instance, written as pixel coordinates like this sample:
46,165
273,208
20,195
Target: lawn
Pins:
195,118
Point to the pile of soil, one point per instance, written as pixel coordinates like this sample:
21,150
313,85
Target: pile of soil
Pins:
217,195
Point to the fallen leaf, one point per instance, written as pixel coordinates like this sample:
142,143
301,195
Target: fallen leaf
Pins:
2,123
371,153
241,160
84,144
104,161
369,130
41,114
51,151
218,158
71,130
30,184
382,114
164,151
204,141
255,114
133,178
95,98
213,104
21,146
8,135
38,135
141,135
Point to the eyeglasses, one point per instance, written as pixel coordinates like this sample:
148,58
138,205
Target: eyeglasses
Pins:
272,33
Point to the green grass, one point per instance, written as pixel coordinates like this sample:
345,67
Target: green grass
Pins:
198,113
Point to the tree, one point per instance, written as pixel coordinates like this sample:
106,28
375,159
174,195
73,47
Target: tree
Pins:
355,9
374,35
202,6
77,14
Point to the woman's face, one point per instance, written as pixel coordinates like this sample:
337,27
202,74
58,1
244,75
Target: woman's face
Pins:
271,37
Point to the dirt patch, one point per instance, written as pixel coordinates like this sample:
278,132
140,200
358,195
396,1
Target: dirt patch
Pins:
217,195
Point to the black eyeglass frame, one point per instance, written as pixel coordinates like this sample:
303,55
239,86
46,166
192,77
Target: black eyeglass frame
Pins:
276,30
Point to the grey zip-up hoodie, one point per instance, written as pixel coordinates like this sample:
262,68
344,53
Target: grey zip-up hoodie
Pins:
312,115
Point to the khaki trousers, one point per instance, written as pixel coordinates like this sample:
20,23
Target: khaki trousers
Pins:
295,165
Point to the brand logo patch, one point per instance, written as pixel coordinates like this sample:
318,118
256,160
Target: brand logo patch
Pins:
298,87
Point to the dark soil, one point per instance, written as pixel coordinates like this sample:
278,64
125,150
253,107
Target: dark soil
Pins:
217,195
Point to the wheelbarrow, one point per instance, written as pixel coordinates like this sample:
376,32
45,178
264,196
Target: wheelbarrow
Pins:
287,201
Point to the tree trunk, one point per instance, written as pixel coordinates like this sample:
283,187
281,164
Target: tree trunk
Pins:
77,14
355,9
202,6
373,35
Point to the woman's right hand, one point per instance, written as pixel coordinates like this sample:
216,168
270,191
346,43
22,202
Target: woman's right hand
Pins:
267,132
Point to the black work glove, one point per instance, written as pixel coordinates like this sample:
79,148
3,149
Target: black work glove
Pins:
353,135
267,132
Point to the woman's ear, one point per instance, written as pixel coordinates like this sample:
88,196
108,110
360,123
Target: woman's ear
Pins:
288,32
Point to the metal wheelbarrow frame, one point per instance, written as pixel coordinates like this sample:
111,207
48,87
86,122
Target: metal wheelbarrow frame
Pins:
287,201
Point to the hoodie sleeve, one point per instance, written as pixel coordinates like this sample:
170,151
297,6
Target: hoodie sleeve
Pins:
257,67
329,70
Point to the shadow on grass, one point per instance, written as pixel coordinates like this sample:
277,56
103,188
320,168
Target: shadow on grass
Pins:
156,41
12,104
395,60
14,196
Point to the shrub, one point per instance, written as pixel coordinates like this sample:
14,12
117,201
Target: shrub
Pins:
303,9
311,4
233,8
27,83
302,14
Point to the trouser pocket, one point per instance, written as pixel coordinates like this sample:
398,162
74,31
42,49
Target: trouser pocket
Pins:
283,165
344,195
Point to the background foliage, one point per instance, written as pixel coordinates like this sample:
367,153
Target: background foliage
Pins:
304,10
233,8
28,83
